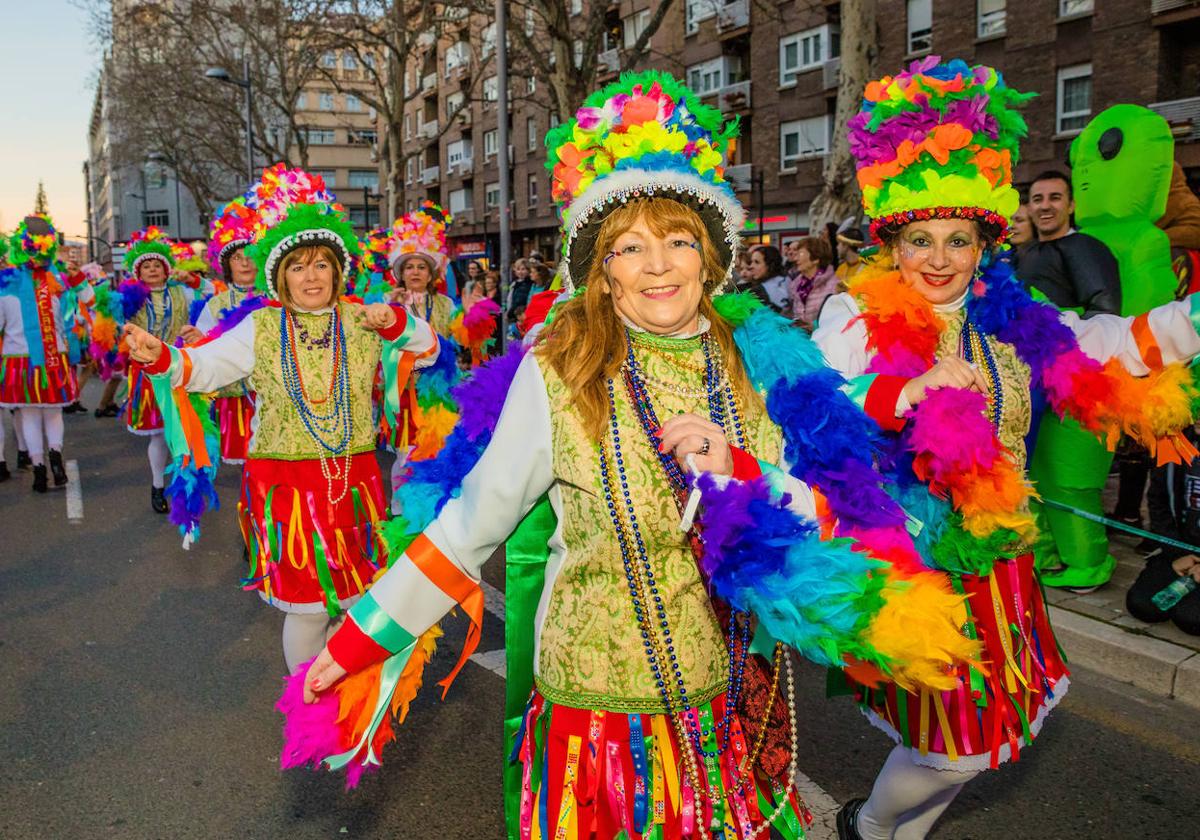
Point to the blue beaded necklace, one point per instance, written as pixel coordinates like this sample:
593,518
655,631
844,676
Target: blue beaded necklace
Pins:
160,330
331,427
975,344
723,412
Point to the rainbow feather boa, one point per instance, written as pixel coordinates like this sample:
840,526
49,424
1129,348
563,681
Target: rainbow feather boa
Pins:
951,447
863,600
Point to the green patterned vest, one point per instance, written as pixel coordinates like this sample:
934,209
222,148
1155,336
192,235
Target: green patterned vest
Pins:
217,306
164,313
591,653
280,432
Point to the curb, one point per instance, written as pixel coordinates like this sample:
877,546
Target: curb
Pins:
1160,667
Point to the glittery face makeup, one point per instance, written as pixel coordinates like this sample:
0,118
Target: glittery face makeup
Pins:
655,280
938,257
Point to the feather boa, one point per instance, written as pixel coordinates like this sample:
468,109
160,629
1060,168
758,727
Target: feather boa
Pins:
954,447
473,329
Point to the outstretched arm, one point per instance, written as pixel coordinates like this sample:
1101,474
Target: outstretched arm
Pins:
1164,335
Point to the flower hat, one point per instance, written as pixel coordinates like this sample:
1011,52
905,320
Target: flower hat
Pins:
420,233
149,244
646,135
35,240
294,209
938,140
231,228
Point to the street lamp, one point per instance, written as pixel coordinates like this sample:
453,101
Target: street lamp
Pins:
222,75
159,157
369,194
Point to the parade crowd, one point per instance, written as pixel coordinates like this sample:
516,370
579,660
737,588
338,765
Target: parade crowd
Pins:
870,446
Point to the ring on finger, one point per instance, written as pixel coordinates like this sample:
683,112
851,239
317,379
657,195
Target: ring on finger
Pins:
707,445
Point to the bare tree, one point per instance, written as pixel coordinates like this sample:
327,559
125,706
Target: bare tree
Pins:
840,196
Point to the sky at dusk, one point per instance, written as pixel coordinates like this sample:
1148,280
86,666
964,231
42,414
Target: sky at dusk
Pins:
48,66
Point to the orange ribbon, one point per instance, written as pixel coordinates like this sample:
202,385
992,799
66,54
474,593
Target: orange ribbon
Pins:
454,582
1147,344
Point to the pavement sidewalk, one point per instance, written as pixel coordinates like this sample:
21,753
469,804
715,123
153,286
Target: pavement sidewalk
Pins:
1097,633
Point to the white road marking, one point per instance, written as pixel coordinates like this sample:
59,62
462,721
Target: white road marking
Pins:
493,599
493,660
74,493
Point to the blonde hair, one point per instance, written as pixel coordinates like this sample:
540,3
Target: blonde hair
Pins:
586,341
307,255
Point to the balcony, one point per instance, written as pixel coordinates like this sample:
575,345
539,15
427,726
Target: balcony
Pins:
609,61
463,115
1162,7
431,175
739,177
429,82
831,72
461,167
733,16
428,130
1183,115
735,97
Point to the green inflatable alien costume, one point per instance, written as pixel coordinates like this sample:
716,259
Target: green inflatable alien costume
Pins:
1121,174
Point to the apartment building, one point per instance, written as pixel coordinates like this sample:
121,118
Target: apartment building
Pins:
775,67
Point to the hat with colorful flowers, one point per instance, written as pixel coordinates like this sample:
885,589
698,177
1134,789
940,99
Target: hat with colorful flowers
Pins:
646,135
35,240
294,210
938,140
421,233
149,244
231,228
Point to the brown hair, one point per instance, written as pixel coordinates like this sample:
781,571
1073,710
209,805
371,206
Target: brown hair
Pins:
586,341
307,255
818,249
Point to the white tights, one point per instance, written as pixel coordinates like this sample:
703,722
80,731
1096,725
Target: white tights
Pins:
304,635
159,456
908,798
18,432
36,421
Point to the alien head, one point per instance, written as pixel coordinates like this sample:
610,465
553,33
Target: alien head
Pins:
1121,167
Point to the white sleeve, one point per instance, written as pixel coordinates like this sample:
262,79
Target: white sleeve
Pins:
843,343
1171,327
86,294
514,471
207,319
218,363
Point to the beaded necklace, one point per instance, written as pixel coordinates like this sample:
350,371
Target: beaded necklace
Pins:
658,642
974,345
330,428
160,329
428,308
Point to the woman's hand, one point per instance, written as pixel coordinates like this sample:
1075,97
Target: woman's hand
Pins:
950,372
190,334
322,674
1188,564
691,434
377,316
144,348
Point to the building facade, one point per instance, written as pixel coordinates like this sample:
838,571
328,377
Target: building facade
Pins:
775,66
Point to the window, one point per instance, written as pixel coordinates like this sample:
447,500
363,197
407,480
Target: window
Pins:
329,60
531,133
577,52
491,195
408,127
710,76
801,139
362,137
920,26
576,7
349,62
991,18
454,103
533,190
490,143
461,200
360,178
458,152
353,103
156,177
554,120
458,55
369,60
301,101
532,86
529,23
696,11
806,51
329,176
635,25
488,40
161,218
408,170
325,101
491,91
320,136
1074,97
1070,8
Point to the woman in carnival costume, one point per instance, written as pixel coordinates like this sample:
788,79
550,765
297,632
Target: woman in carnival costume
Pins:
640,705
163,311
417,259
36,376
943,347
231,231
311,484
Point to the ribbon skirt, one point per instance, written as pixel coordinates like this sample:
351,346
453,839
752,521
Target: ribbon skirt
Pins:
233,420
23,384
142,414
995,710
307,554
589,773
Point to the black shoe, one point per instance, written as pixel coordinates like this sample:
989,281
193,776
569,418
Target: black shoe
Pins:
74,408
847,817
56,468
107,411
39,478
157,500
5,475
24,462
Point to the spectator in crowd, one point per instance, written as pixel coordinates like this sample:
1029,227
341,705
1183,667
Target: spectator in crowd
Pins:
850,241
518,290
1020,228
743,280
815,280
791,269
766,279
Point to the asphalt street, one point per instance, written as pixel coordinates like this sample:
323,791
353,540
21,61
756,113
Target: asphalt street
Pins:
139,684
